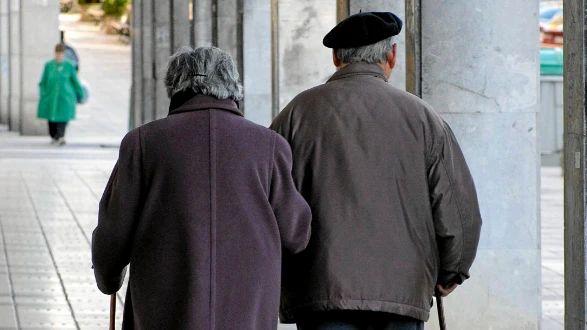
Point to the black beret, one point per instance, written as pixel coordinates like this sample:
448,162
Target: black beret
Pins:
363,29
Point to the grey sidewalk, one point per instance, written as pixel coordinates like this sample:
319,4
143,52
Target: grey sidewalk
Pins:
105,64
552,248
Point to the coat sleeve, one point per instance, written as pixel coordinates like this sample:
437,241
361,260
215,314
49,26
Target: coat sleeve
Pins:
119,211
44,77
291,211
457,219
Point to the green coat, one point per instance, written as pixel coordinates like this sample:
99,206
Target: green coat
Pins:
60,90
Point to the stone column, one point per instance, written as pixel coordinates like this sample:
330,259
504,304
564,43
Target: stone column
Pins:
14,64
300,59
485,85
229,33
137,102
4,62
575,151
229,22
257,60
162,51
180,24
39,32
147,54
398,76
203,21
159,29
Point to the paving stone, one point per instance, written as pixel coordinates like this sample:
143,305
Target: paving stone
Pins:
4,285
7,317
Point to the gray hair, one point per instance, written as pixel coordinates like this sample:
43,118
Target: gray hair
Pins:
206,70
375,53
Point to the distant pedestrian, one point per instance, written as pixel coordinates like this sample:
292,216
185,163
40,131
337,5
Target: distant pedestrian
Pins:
201,204
395,212
60,92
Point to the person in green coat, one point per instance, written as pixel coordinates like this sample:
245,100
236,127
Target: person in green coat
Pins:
60,92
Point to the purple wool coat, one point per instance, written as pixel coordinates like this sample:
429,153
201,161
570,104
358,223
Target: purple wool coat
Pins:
201,204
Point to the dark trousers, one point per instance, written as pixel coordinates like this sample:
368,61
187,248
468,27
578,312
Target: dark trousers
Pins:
358,320
57,129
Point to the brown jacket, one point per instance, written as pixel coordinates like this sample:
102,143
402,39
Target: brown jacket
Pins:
201,204
394,206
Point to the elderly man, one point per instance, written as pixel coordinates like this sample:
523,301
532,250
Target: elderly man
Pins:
395,212
201,204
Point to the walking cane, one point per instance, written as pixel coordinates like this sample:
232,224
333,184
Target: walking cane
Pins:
440,308
112,311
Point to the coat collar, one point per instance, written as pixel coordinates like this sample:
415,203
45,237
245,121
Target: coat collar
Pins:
359,69
204,102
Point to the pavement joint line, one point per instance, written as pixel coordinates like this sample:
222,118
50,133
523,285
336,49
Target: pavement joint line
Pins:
28,190
79,226
10,283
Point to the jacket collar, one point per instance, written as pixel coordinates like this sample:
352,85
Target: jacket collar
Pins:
359,69
187,103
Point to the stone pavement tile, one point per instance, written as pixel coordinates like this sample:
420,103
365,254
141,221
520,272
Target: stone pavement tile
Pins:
28,226
44,278
97,303
53,318
553,309
6,300
556,266
25,244
46,217
40,302
29,258
38,290
4,285
551,324
7,317
17,217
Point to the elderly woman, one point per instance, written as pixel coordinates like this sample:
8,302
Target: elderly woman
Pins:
60,92
201,204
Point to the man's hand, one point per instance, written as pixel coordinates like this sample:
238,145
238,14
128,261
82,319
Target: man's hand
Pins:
445,291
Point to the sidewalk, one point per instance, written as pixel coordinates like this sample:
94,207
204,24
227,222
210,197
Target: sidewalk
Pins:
105,64
552,249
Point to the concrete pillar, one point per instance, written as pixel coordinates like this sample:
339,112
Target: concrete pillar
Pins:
147,57
159,29
15,60
180,24
4,62
575,151
137,104
203,23
229,32
229,21
486,87
39,32
300,59
162,51
257,61
398,76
